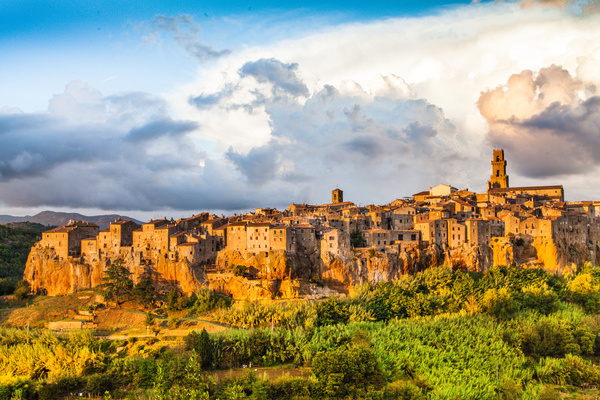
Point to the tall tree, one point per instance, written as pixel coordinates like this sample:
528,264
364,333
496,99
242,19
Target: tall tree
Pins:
116,282
144,293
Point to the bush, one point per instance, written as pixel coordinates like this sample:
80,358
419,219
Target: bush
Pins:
207,300
176,300
571,370
239,270
7,286
201,343
332,311
22,289
499,303
540,298
344,372
173,322
99,383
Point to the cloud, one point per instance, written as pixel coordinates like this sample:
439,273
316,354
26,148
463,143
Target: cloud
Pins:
186,32
337,135
163,127
586,6
282,76
548,122
381,109
80,102
136,157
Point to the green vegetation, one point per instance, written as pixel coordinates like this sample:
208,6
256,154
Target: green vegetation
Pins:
116,282
440,334
356,238
15,243
239,270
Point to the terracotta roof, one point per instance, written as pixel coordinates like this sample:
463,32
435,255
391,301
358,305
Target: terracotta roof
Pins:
514,189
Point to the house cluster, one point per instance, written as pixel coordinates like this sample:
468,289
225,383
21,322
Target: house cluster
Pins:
195,239
443,216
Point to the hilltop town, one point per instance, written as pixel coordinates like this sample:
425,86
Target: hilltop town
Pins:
312,250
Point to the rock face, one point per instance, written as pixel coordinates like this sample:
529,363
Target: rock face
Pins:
286,275
48,274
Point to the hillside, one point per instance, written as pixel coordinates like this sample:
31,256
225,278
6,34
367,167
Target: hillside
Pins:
16,240
53,218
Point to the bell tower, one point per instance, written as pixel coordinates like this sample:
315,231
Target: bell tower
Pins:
498,179
337,196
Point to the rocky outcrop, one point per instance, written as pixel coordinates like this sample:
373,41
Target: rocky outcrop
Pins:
283,275
49,274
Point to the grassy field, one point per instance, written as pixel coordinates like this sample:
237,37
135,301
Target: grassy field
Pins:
128,320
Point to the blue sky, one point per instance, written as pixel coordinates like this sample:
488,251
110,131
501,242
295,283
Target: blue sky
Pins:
169,108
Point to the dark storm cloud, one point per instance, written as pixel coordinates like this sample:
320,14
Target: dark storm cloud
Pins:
547,123
259,165
34,144
136,158
186,32
163,127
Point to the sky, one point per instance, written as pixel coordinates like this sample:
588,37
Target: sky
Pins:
169,108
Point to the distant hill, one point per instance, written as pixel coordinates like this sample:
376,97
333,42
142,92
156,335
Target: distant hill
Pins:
52,218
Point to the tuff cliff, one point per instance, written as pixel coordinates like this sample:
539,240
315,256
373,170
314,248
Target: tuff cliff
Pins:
52,275
285,275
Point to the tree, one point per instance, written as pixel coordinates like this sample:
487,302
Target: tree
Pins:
356,238
117,282
144,293
343,372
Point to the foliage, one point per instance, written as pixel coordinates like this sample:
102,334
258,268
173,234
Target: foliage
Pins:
201,344
48,357
261,315
7,286
239,270
571,370
22,290
15,244
344,372
149,320
356,238
176,300
499,303
117,282
505,333
144,293
207,300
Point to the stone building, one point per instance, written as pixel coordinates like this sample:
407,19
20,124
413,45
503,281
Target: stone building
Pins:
66,240
335,242
478,232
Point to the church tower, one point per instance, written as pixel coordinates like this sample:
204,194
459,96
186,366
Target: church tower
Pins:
337,196
498,179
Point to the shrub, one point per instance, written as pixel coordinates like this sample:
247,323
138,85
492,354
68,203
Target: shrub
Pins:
173,322
343,372
239,270
571,370
201,343
22,289
99,383
332,311
176,300
207,300
540,298
499,303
